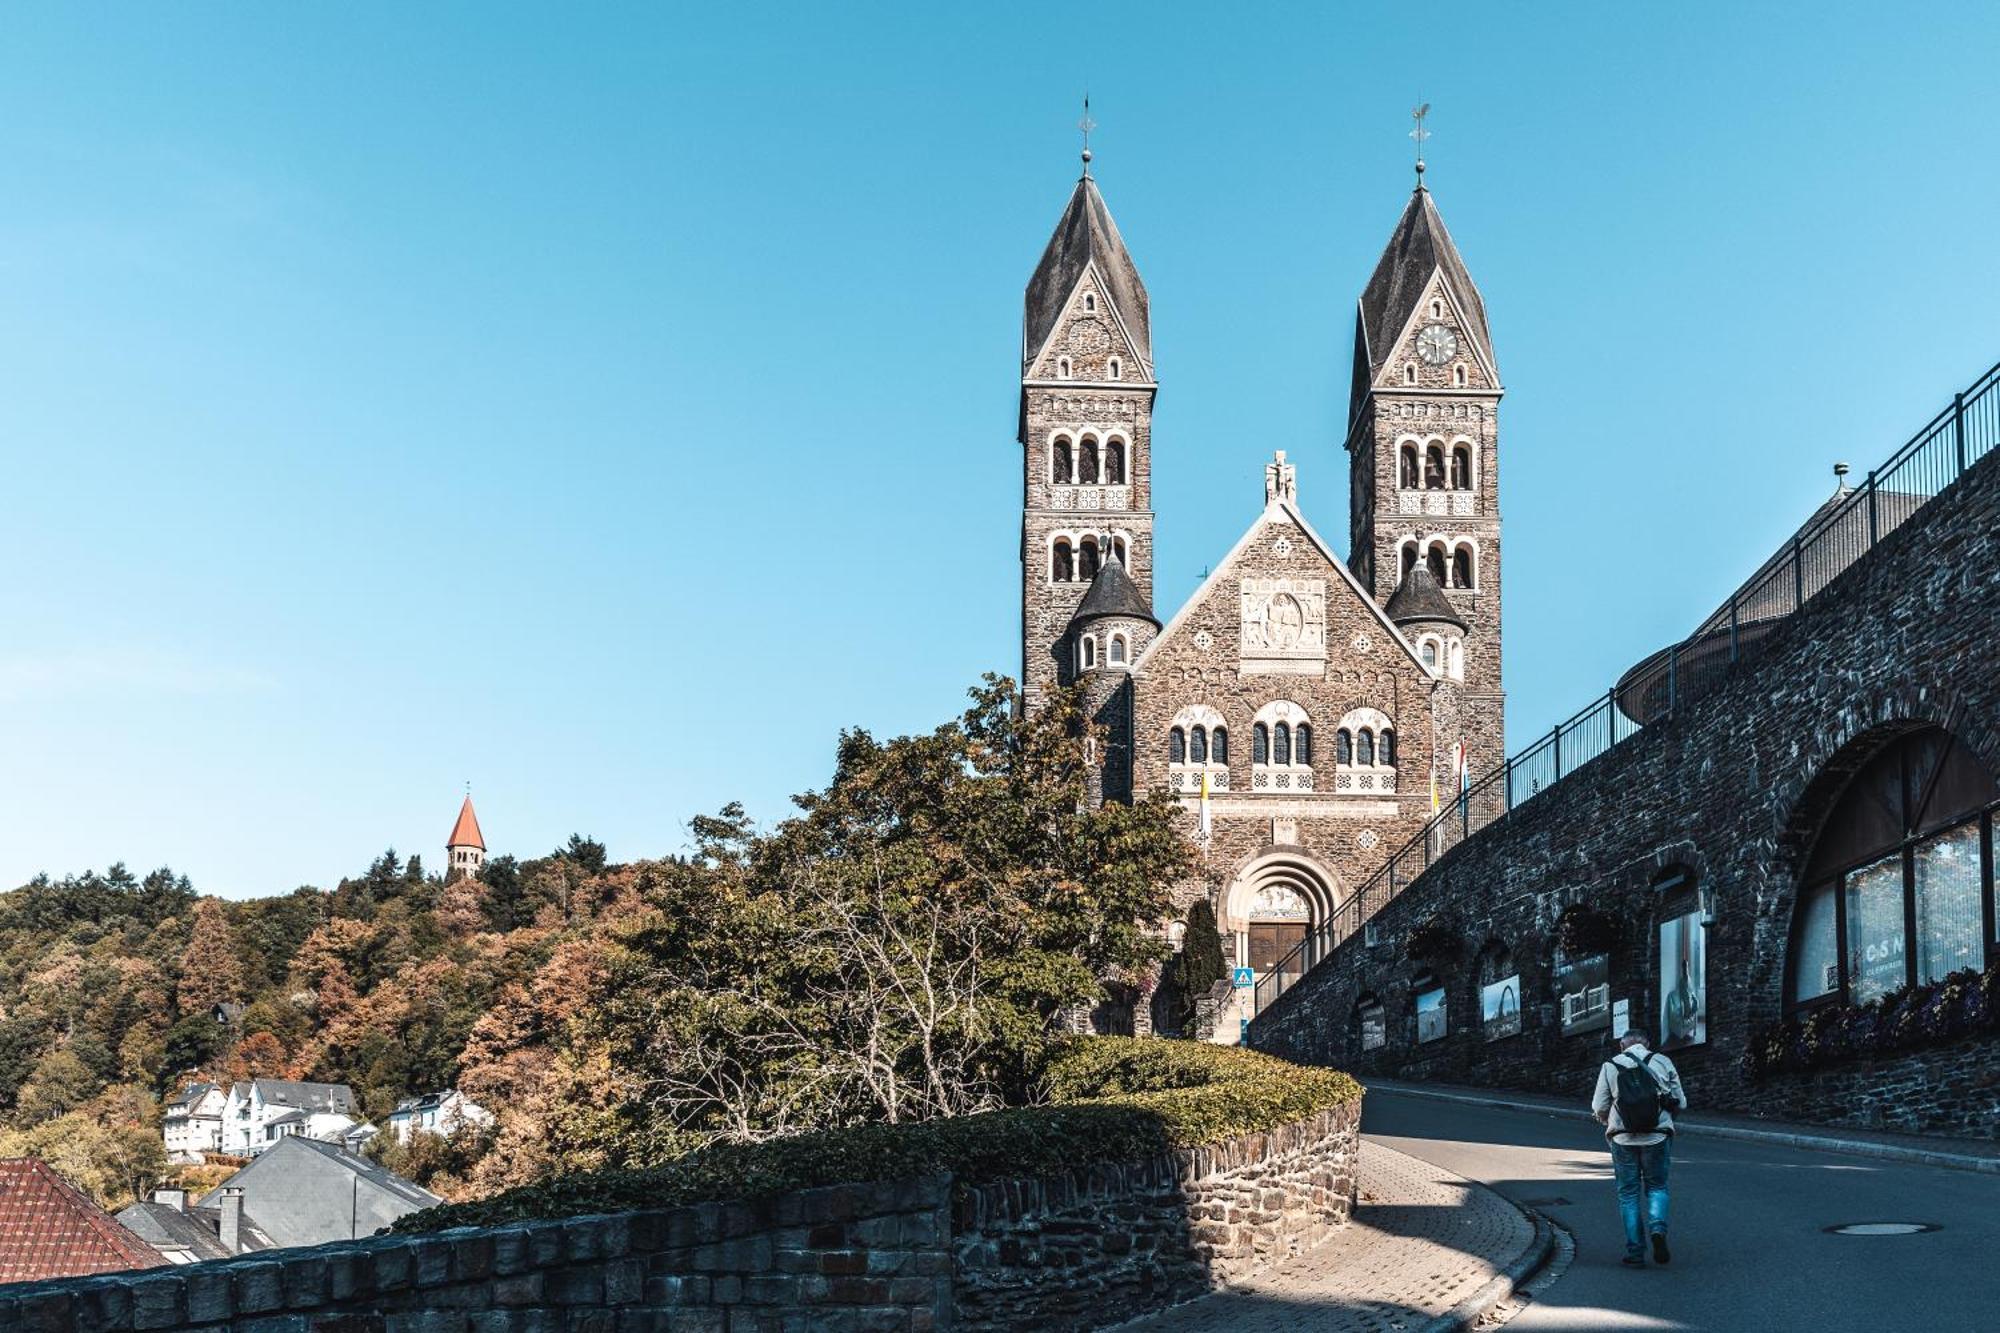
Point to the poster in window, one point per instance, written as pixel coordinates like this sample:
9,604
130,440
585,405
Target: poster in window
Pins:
1374,1028
1583,987
1683,983
1430,1015
1500,1008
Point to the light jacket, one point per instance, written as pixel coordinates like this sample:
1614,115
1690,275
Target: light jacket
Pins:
1604,1102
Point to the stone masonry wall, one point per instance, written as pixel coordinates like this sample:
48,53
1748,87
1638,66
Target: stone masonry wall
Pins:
1094,1247
1732,790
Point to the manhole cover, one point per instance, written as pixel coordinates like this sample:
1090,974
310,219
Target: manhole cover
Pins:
1881,1228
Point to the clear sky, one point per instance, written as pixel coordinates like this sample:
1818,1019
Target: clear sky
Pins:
606,405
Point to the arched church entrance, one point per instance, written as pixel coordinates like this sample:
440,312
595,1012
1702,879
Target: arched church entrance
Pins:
1274,903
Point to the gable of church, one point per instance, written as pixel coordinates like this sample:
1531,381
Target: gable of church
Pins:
1088,338
1469,363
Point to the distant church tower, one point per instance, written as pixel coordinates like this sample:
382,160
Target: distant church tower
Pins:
1086,434
1423,444
465,850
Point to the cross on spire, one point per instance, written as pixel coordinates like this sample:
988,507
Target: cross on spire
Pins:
1086,125
1417,114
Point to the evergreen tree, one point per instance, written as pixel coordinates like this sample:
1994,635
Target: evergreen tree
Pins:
1201,963
211,973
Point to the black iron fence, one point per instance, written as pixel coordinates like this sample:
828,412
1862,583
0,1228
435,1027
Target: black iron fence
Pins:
1841,532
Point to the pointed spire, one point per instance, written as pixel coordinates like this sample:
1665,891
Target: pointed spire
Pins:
1085,237
1419,247
1112,593
465,833
1418,598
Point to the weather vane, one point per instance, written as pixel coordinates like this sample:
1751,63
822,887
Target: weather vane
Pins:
1086,125
1417,114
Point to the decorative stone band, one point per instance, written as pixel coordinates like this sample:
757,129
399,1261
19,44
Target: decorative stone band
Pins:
1459,504
1187,778
1090,497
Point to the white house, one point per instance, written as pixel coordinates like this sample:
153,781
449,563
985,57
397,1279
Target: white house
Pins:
443,1113
264,1110
192,1122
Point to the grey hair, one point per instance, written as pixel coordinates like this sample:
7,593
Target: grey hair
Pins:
1635,1037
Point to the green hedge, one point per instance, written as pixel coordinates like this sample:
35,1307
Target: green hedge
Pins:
1111,1099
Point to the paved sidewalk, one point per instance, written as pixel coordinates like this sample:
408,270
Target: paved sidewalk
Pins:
1423,1242
1964,1154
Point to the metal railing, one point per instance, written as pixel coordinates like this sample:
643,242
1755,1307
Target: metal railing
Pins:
1844,529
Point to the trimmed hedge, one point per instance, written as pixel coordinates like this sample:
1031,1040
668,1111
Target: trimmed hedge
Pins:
1112,1099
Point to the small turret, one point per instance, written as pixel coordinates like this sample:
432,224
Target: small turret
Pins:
1113,624
1420,609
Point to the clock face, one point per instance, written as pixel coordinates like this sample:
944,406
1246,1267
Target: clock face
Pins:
1436,343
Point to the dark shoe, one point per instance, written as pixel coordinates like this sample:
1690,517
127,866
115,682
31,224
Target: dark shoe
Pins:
1660,1255
1634,1261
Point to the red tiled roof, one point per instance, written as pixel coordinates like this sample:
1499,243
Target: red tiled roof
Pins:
465,833
49,1229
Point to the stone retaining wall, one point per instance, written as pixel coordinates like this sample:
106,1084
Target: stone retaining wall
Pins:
1078,1251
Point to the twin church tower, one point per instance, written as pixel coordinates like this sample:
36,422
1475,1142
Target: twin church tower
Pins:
1324,706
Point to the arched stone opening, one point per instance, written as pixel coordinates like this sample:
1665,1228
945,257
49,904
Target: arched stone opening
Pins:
1274,903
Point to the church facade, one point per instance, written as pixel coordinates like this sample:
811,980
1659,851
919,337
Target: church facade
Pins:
1309,713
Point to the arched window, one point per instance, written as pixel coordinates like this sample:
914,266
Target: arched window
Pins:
1430,652
1089,653
1198,746
1117,369
1407,476
1457,376
1089,302
1343,747
1281,744
1435,559
1409,372
1461,567
1385,750
1364,748
1118,650
1461,467
1457,669
1437,310
1177,746
1086,470
1062,367
1409,559
1118,550
1895,889
1114,461
1260,744
1302,743
1061,570
1434,467
1218,745
1062,467
1086,560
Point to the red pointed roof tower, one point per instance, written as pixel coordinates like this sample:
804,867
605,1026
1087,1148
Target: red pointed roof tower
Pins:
465,850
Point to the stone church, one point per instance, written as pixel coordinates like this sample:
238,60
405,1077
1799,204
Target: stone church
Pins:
1309,713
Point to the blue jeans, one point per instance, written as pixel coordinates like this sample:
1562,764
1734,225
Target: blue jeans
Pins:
1642,1170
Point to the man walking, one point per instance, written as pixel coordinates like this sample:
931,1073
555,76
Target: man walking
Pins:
1637,1094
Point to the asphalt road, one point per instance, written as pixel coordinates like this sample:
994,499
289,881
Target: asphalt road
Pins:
1750,1250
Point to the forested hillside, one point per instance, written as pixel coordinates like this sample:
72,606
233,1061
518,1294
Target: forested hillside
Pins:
898,949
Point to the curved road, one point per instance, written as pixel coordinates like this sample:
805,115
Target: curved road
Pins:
1750,1249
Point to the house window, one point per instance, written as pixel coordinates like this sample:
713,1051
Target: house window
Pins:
1062,468
1899,886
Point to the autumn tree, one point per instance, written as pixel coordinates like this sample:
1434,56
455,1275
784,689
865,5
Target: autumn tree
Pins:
211,972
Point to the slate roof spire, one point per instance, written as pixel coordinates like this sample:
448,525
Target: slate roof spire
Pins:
1418,247
1419,599
1112,593
1085,237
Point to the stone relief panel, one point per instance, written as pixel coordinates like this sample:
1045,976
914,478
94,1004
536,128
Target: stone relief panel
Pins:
1284,621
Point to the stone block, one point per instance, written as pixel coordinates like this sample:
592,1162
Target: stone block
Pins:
258,1287
158,1301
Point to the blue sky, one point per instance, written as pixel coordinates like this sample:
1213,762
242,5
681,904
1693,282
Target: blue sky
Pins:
607,404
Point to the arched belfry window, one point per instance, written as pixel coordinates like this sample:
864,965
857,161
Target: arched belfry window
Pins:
1461,567
1435,559
1062,466
1407,475
1434,468
1409,560
1086,463
1061,566
1086,560
1461,467
1114,461
1898,886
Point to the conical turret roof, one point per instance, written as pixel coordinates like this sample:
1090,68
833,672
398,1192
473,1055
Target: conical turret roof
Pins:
1112,593
465,833
1086,235
1419,598
1419,247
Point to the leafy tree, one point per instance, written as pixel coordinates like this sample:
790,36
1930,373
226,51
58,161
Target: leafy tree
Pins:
506,896
211,973
61,1083
587,853
191,1044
